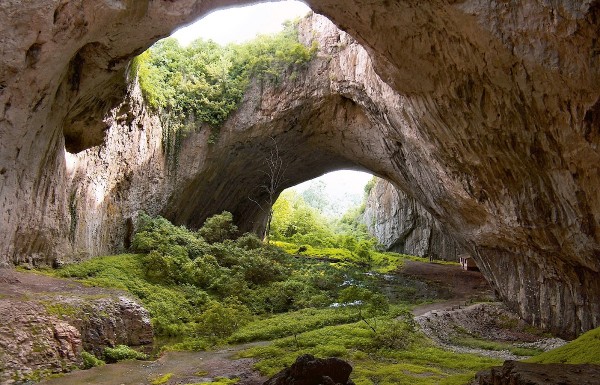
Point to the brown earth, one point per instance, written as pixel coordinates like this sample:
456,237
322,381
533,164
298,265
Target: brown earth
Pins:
186,367
465,286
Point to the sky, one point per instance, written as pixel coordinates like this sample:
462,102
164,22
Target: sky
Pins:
344,189
244,23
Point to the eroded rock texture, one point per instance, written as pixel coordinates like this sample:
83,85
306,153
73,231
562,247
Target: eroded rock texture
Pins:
522,373
485,112
402,225
45,324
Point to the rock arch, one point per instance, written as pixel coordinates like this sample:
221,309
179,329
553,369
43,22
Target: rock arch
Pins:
487,114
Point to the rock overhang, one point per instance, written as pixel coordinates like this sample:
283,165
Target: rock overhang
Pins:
491,130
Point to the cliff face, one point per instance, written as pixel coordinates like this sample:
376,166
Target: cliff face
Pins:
487,112
402,225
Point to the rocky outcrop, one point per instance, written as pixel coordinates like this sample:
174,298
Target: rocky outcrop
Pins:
402,225
45,324
308,370
486,112
522,373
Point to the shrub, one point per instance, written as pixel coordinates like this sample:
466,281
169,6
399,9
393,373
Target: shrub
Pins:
122,352
394,334
90,361
218,228
221,319
249,241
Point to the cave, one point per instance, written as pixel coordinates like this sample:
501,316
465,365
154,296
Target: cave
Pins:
483,112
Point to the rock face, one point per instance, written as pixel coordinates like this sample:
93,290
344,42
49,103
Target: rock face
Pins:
402,225
308,370
45,324
521,373
486,112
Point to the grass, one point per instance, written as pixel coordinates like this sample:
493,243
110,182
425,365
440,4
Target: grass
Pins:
396,353
381,262
171,307
584,350
287,324
420,363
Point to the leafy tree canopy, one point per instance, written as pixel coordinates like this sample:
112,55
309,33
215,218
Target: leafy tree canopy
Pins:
203,83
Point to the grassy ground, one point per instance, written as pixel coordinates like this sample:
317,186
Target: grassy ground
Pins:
395,354
380,262
583,350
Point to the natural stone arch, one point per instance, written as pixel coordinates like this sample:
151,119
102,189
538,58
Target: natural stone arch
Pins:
500,132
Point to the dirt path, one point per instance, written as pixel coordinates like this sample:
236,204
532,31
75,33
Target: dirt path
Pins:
464,285
186,368
447,322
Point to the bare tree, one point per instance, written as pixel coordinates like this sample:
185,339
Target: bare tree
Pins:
274,173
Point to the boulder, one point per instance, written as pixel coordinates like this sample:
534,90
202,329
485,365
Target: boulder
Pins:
308,370
523,373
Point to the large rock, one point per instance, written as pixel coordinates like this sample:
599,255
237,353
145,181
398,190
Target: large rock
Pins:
522,373
486,112
45,324
308,370
402,225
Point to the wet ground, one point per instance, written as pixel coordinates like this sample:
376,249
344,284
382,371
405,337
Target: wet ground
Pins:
185,367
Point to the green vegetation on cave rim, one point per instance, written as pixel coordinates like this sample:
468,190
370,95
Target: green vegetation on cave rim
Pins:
202,84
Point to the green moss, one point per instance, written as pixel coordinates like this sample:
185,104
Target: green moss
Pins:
61,310
420,362
162,379
583,350
219,381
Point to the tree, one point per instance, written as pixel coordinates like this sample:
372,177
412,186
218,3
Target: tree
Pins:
275,176
367,302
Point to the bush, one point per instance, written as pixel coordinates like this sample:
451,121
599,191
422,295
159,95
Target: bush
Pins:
122,352
219,320
394,334
90,361
218,228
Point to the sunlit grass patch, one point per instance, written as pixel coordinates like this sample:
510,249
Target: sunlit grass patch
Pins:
420,363
583,350
288,324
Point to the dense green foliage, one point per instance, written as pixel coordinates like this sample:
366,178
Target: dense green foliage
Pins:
297,222
203,292
584,350
204,83
90,361
122,352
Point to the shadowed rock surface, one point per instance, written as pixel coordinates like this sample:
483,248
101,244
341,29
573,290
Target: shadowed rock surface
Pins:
485,112
308,370
522,373
402,225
